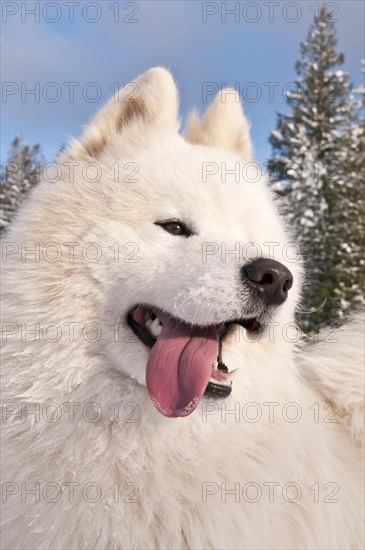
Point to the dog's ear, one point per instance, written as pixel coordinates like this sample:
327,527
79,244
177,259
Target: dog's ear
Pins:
224,125
149,102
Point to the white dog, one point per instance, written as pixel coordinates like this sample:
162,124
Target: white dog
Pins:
151,268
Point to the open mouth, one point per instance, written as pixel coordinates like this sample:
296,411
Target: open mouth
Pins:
185,360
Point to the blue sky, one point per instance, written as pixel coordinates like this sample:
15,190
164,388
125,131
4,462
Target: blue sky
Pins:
47,48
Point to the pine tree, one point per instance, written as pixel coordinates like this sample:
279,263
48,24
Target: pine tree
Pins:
352,215
20,174
318,181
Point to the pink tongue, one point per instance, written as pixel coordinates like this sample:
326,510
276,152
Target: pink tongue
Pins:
180,365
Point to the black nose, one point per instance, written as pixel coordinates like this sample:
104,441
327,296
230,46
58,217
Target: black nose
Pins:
271,280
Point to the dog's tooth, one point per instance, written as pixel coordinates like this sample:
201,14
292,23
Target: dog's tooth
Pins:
155,328
148,323
231,375
156,323
157,331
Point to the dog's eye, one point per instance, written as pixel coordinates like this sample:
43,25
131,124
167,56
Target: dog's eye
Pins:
175,227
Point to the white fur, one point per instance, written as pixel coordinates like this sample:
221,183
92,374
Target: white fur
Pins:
223,125
169,461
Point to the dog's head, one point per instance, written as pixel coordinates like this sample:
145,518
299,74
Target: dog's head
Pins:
195,249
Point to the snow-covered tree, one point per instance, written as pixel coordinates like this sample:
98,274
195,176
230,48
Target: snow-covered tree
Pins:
20,174
316,168
350,263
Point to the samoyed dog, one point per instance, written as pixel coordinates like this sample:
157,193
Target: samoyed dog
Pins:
156,391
